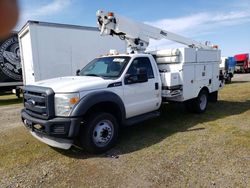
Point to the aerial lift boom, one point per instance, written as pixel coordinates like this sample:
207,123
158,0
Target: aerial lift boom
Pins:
138,34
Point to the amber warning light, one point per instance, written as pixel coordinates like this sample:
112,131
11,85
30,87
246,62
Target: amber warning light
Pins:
110,14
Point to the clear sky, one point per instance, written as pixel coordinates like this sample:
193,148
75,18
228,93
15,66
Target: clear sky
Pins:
223,22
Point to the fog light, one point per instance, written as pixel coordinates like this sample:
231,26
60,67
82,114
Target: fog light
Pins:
38,126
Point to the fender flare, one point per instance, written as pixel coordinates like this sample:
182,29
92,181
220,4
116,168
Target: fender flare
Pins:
96,97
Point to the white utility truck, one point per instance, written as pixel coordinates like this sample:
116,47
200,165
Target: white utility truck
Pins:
51,50
121,89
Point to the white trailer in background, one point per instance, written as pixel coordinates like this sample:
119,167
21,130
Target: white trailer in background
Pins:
50,50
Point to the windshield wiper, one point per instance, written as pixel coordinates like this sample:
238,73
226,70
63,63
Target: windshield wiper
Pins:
92,75
110,76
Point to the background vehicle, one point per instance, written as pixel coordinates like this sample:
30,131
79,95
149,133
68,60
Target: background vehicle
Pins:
242,63
227,66
50,50
121,89
10,65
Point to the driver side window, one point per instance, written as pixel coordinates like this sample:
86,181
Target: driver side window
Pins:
141,62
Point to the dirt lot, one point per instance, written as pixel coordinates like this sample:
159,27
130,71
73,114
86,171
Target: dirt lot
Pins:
241,78
178,149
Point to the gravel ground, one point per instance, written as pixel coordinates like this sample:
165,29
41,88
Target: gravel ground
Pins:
9,117
178,149
241,78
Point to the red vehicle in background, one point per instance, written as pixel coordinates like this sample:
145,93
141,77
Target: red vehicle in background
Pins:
242,63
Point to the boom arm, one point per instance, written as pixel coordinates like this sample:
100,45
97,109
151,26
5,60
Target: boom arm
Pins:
138,34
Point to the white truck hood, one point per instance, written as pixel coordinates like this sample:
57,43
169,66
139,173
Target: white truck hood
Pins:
74,83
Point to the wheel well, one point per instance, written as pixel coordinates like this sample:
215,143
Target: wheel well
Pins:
205,89
109,107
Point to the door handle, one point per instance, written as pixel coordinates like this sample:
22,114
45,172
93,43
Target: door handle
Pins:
156,86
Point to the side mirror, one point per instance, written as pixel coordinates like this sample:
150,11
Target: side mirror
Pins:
140,77
78,72
130,79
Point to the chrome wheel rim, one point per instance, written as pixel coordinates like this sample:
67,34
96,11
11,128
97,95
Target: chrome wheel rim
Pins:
203,102
103,133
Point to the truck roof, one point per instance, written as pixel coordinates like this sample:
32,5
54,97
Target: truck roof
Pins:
127,55
241,57
33,22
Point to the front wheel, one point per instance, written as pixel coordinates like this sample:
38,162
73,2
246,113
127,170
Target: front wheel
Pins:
100,132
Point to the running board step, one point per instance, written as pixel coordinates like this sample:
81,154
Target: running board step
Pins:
140,118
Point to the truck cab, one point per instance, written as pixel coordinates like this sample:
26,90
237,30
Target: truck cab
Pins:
242,63
111,91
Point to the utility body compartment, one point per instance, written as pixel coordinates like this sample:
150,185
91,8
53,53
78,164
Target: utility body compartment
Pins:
192,70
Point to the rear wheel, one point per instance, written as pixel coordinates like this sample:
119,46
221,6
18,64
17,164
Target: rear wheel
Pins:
228,80
100,132
199,104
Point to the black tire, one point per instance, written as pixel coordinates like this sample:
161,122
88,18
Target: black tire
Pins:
100,133
228,80
18,93
195,106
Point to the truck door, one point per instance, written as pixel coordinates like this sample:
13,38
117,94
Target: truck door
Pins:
27,59
140,98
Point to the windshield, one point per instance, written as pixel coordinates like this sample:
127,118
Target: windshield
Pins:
105,66
240,63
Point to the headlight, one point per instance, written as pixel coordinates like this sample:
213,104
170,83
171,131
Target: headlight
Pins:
65,102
